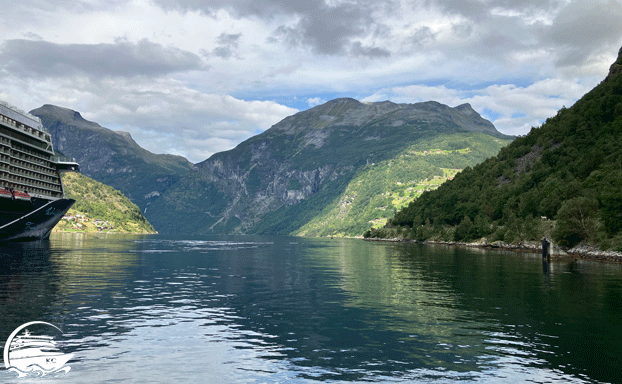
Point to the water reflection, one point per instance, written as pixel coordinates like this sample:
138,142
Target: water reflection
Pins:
546,323
263,309
25,272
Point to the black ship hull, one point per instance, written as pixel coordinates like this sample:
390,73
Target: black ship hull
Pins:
21,221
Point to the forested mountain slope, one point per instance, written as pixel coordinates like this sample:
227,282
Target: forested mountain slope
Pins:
566,175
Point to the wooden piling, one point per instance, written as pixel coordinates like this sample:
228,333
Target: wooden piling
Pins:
546,245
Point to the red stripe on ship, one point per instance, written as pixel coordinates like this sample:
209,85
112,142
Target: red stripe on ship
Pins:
18,195
21,195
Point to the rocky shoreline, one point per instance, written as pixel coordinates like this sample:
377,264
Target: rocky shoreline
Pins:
587,252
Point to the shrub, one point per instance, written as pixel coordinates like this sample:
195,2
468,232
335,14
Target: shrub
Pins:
576,221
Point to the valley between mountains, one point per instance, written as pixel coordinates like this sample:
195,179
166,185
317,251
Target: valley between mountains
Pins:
333,170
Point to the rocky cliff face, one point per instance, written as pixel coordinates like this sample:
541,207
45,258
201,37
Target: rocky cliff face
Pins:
110,157
278,180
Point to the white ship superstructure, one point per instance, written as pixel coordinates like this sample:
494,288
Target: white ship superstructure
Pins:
29,176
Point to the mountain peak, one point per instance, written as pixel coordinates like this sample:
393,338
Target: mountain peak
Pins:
66,115
347,112
127,136
466,108
343,100
338,106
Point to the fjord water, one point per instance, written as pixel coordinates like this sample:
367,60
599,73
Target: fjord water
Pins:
159,309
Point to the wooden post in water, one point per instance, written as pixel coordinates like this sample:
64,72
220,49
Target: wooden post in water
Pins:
546,244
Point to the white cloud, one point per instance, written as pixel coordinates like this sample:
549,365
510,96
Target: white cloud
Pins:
193,78
313,101
514,109
163,114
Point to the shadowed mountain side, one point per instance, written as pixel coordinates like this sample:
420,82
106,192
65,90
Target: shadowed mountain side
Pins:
112,158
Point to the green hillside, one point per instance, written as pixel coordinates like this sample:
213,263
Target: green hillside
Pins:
563,179
380,189
99,207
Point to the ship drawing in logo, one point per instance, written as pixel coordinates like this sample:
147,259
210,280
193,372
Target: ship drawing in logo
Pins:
28,354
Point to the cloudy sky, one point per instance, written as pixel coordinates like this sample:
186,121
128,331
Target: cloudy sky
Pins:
195,77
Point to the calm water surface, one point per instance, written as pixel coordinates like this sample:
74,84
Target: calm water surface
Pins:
158,309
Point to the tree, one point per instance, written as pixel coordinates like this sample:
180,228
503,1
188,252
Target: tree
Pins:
465,231
576,221
611,203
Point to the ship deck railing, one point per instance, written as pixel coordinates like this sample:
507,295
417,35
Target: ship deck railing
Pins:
39,142
44,179
26,185
22,127
63,159
21,183
10,164
43,172
29,152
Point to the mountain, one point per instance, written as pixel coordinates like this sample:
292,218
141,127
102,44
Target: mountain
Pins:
563,179
111,157
99,207
280,180
378,190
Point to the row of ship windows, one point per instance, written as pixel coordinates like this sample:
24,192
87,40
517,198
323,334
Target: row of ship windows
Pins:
24,149
31,191
28,174
42,167
23,127
11,164
26,184
25,154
